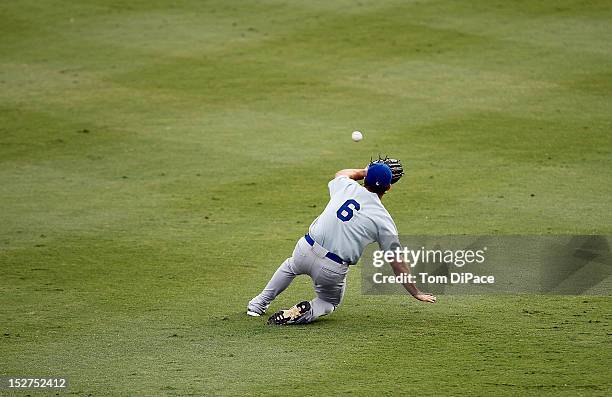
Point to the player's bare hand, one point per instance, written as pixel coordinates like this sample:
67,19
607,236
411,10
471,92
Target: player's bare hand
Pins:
425,297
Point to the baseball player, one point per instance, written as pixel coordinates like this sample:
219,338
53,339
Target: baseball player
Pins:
353,218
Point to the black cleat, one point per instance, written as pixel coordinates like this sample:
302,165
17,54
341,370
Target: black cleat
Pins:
289,316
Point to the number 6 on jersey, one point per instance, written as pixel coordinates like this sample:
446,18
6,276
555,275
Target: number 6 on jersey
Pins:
345,212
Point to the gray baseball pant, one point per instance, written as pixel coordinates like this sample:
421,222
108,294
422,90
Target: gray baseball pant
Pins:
329,280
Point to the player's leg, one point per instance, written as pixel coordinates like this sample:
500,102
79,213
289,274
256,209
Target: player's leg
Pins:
283,276
329,280
330,284
281,279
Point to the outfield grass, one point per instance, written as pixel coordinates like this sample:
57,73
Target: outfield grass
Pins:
158,161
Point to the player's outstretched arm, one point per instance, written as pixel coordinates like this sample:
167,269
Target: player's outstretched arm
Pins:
353,173
400,268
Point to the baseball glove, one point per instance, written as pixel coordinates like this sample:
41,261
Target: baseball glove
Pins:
396,167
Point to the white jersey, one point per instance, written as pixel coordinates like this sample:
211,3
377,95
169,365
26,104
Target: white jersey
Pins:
353,218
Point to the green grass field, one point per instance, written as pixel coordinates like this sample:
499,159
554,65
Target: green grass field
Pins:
160,159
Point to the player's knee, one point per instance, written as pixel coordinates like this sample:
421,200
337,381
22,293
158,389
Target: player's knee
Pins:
320,307
329,310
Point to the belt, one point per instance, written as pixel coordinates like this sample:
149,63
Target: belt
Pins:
329,255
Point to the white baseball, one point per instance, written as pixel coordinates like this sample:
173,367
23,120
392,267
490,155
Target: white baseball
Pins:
357,136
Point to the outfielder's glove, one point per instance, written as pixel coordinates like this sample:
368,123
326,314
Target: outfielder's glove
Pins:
396,167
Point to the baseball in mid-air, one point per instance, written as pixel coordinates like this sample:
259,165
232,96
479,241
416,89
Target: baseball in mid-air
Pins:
357,136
